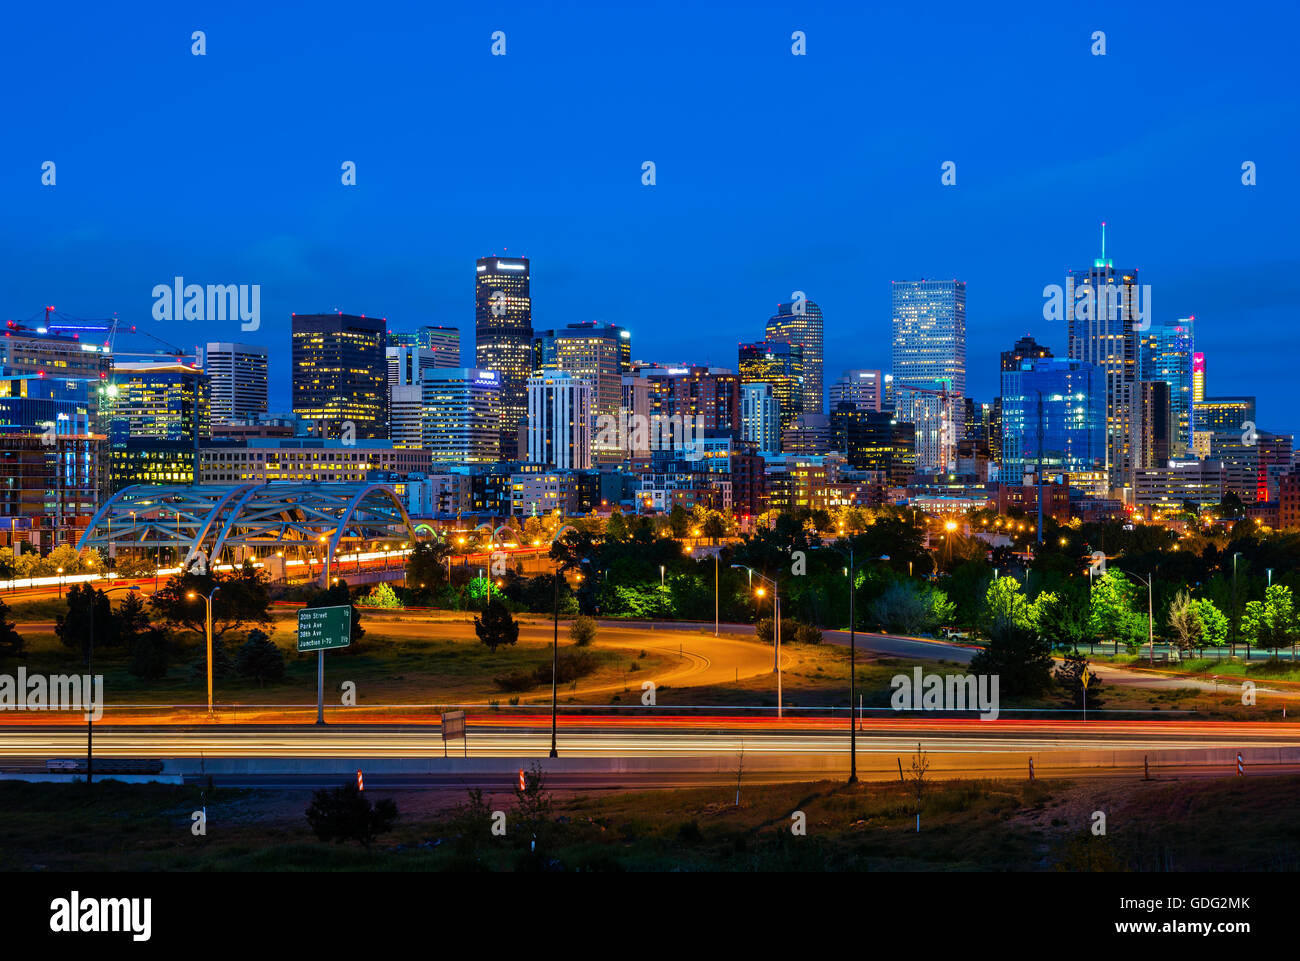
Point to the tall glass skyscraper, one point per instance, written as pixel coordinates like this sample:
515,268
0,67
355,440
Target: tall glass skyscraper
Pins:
1165,354
929,353
1054,415
801,323
1101,314
503,337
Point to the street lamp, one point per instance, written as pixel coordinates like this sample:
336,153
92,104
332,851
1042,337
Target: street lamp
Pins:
1232,652
853,637
1151,637
661,575
208,630
776,630
90,673
60,572
555,661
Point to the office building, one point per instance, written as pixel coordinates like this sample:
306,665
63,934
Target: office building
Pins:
462,416
1026,348
929,366
779,365
873,440
864,389
596,353
59,351
305,460
503,339
340,374
800,323
560,420
442,342
1104,309
163,401
1165,354
1054,423
1224,415
238,378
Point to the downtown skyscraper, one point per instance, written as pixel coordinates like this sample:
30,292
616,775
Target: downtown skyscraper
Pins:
1102,309
800,322
1166,354
929,358
238,379
340,374
503,338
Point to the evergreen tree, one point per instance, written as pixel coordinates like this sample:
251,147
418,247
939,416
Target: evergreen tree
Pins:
496,626
259,659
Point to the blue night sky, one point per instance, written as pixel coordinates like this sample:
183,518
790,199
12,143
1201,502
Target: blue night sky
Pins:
775,173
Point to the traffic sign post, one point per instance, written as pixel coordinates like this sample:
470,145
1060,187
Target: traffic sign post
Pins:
322,629
453,726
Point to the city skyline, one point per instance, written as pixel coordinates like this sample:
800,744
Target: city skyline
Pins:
606,247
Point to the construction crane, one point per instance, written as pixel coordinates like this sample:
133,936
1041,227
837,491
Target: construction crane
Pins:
947,428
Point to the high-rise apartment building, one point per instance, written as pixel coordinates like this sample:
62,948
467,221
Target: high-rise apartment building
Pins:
340,374
711,395
800,322
929,359
1198,379
238,376
761,418
503,338
560,420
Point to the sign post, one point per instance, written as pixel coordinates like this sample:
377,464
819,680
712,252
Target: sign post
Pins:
453,726
322,629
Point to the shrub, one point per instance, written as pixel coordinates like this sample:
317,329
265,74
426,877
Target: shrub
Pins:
808,634
381,596
789,627
570,667
582,631
517,681
345,814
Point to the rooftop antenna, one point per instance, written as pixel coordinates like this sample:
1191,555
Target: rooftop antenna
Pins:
1103,240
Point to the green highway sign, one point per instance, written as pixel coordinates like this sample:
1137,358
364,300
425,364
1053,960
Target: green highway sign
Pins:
324,628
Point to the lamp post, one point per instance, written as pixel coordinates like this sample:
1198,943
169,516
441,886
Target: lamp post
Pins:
90,674
1232,652
60,572
1151,638
776,631
853,637
208,630
555,661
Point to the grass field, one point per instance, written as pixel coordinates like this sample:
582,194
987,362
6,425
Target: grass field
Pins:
1175,824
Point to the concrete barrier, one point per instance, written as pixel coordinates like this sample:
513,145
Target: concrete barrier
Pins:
942,764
